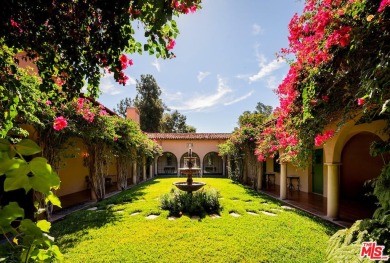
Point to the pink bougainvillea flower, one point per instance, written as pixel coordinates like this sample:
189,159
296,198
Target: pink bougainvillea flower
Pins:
175,4
60,123
193,9
103,113
321,138
16,25
115,138
48,102
124,61
59,82
383,5
171,44
360,101
122,78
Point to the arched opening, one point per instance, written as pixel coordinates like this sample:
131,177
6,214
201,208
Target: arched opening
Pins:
167,164
358,167
196,163
212,163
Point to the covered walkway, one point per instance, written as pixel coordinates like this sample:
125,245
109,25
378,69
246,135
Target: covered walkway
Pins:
350,211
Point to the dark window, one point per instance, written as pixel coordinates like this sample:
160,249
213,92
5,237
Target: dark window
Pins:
276,163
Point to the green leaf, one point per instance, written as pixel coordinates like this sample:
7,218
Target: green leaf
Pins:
27,147
53,199
30,229
44,225
8,214
5,164
43,178
4,145
17,178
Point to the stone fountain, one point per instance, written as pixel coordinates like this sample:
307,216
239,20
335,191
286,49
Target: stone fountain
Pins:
189,169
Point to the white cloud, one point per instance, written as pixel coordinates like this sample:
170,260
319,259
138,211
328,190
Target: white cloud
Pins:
202,75
108,84
239,99
272,82
266,69
257,29
157,65
202,102
173,96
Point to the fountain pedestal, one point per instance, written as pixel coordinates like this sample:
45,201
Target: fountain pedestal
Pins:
189,186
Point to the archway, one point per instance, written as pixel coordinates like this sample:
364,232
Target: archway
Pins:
212,163
358,166
167,164
197,160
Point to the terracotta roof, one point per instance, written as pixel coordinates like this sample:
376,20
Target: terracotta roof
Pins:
189,136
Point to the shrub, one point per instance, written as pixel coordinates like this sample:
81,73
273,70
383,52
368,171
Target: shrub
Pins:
197,203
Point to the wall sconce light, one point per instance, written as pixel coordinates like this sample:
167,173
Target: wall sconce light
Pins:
85,156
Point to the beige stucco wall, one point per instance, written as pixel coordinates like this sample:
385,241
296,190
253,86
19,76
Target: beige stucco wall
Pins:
291,170
180,147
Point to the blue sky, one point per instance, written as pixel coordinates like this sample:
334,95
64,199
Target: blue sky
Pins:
225,62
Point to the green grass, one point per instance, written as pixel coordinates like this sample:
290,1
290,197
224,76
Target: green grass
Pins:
112,234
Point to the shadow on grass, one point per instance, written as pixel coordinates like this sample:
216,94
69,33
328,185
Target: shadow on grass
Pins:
75,226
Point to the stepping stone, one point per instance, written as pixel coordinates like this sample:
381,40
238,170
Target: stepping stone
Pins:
268,213
195,217
234,214
110,205
215,216
287,207
134,214
275,209
92,208
119,211
252,213
152,216
172,218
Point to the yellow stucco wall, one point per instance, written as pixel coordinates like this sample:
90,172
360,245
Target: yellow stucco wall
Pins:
72,172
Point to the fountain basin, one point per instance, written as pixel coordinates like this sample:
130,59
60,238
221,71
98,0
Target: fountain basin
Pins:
184,186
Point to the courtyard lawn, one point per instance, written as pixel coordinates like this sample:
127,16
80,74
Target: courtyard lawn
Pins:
118,230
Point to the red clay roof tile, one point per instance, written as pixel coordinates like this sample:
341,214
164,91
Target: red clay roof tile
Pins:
189,136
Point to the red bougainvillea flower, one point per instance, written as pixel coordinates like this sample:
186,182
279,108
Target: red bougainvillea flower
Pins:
16,25
383,5
171,44
360,101
321,138
125,61
60,123
193,9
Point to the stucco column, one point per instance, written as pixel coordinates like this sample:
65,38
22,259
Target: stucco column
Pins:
155,166
283,180
223,165
178,166
259,174
333,190
201,167
144,168
134,172
151,171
